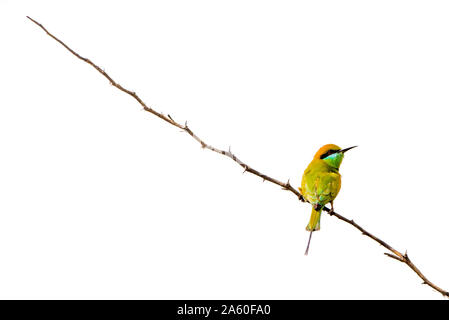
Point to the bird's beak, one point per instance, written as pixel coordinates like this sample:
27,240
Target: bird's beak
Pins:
344,150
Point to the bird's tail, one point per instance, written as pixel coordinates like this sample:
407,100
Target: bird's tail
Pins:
314,223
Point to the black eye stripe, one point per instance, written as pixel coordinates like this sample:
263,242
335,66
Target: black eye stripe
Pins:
328,153
324,155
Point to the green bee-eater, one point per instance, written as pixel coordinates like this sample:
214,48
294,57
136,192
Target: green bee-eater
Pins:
321,182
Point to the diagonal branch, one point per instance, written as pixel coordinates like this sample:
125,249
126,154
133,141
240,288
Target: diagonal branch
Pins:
170,120
404,258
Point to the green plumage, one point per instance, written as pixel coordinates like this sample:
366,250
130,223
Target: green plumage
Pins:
321,182
320,185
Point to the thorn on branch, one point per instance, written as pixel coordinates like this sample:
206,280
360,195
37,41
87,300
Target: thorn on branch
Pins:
287,185
406,256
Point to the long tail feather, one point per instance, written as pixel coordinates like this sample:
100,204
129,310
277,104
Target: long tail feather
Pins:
314,225
308,244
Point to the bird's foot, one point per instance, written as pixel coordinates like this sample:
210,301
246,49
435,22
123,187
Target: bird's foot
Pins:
331,211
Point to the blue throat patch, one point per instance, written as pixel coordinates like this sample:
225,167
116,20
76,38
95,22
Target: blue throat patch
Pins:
334,160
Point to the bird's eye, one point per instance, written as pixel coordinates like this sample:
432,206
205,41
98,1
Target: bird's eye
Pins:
328,153
324,155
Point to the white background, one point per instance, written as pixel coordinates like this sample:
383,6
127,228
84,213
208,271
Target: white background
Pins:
99,199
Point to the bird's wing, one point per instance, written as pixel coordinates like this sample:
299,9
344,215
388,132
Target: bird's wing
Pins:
327,186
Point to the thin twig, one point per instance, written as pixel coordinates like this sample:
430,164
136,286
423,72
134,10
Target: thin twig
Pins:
169,119
404,258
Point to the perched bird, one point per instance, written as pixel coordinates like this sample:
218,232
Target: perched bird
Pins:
321,182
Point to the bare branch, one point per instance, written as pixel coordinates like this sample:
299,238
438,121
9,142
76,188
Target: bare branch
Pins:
170,120
286,186
396,254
